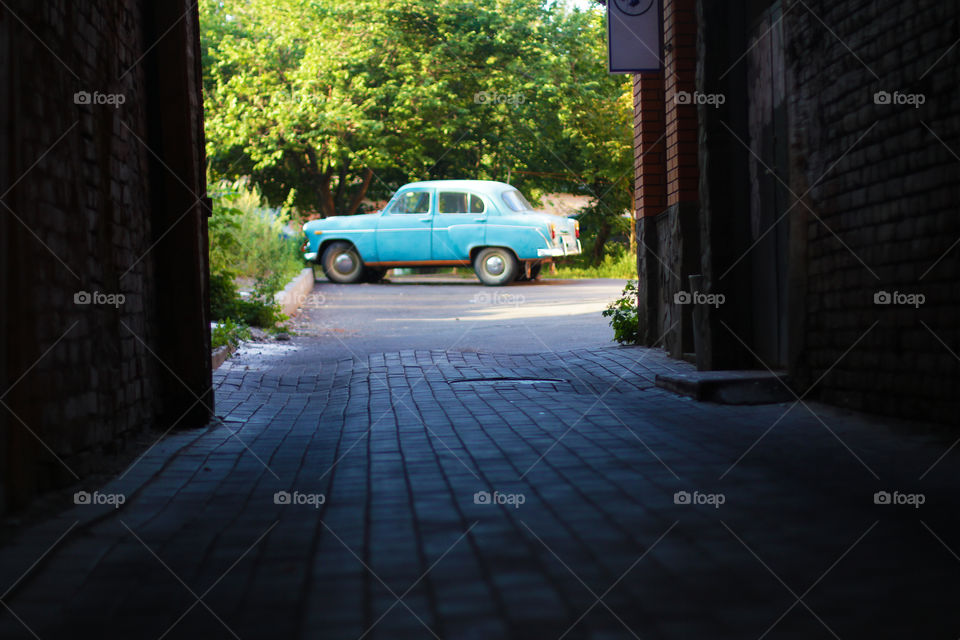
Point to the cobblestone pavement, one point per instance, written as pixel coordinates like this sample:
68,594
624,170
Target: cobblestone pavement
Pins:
470,495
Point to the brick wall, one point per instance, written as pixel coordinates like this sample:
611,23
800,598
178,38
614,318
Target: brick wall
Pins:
649,149
680,62
884,181
79,378
879,183
666,169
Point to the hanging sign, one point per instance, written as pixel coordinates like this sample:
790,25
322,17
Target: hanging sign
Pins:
634,36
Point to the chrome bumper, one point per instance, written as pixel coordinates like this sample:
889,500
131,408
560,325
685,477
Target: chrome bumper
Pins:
555,252
310,257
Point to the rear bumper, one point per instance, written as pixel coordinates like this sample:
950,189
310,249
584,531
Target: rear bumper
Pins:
310,257
556,252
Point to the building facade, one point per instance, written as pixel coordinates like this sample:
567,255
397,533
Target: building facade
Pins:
798,181
104,312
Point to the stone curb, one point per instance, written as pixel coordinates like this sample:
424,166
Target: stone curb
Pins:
220,354
291,298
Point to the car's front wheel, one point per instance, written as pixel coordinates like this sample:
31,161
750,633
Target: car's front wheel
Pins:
342,263
496,266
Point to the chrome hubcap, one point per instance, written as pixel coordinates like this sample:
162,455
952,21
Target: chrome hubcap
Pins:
343,263
494,265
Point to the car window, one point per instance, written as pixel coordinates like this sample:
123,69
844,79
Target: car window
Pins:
516,201
453,202
411,202
459,202
476,204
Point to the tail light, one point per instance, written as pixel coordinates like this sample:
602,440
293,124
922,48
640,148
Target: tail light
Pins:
553,232
576,228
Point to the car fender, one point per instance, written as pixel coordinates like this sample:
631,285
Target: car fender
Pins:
466,237
364,240
523,239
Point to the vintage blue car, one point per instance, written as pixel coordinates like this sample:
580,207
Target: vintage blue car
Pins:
486,224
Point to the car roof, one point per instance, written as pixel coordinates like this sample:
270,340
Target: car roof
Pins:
484,186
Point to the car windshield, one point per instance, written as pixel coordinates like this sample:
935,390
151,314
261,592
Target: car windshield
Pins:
516,201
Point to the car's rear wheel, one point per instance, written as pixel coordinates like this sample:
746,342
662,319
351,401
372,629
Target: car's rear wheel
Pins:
496,266
342,263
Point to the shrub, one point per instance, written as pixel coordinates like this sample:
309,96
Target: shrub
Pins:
623,315
226,303
228,332
249,239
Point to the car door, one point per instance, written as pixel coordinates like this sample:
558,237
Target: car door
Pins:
403,229
458,224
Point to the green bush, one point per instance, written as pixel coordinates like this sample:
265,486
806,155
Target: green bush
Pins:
248,239
228,332
226,303
623,315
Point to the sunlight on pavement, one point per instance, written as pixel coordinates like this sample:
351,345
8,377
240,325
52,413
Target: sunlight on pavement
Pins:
510,312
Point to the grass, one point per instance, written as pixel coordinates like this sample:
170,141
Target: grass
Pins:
621,266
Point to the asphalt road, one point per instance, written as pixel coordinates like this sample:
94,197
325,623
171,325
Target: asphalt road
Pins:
444,312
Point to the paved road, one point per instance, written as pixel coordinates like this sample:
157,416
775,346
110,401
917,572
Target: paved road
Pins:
476,494
438,312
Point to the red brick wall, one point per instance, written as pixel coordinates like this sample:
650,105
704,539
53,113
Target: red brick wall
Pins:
665,130
680,62
649,148
667,182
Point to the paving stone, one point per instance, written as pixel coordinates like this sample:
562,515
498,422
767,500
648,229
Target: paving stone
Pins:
417,474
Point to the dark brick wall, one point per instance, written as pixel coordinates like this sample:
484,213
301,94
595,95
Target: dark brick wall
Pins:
883,187
78,215
878,186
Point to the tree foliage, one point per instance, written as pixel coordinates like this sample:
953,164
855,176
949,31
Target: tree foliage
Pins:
325,102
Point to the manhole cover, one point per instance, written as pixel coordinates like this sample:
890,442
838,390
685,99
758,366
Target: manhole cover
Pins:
507,381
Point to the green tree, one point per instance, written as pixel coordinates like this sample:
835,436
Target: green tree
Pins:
324,102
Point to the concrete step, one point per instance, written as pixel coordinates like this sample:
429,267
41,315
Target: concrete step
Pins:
729,387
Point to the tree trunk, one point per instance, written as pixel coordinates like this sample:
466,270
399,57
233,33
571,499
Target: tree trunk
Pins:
603,233
327,207
341,187
361,192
